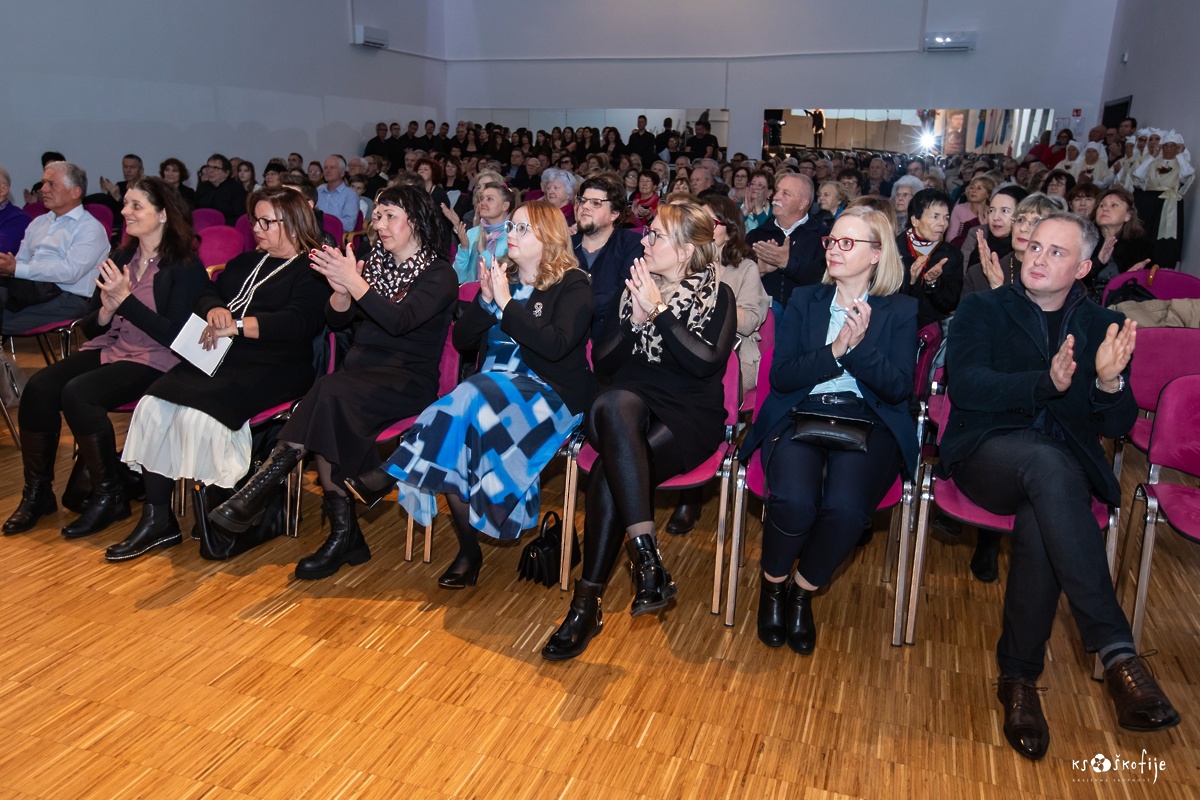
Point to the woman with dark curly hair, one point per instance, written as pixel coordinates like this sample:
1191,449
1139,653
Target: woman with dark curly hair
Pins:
174,172
398,304
146,292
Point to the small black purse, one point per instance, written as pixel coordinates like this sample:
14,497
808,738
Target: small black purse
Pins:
542,558
831,431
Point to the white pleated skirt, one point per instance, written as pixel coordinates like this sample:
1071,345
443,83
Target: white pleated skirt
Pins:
181,442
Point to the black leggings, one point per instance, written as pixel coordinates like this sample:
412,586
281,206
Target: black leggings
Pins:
83,390
637,452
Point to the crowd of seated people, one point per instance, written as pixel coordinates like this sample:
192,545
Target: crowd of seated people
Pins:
616,274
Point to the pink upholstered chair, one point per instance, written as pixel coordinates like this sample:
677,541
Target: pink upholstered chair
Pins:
245,227
35,209
334,227
219,243
103,214
205,218
766,341
1165,284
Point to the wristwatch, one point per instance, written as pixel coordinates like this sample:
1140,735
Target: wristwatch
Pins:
238,323
654,312
1120,385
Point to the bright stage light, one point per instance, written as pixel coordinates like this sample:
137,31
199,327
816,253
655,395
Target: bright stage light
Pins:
927,141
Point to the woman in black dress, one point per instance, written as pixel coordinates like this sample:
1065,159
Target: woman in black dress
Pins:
146,291
399,304
664,348
193,425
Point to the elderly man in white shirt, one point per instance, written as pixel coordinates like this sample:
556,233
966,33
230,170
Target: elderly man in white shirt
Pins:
62,248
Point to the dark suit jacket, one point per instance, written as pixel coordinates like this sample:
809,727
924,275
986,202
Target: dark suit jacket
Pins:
997,365
806,257
882,364
176,288
552,330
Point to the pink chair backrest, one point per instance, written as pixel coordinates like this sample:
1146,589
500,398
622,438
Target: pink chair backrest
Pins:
219,243
766,332
205,218
450,365
766,350
731,384
468,290
1174,442
103,214
1162,354
358,221
246,229
931,340
1164,284
943,417
333,226
35,209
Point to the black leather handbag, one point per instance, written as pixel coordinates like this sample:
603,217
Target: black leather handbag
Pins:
831,431
541,559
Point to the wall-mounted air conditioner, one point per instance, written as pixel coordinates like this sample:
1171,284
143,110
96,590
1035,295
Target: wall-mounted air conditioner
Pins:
950,42
367,36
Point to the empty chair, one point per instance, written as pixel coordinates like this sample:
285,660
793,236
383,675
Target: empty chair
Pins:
103,215
205,218
219,243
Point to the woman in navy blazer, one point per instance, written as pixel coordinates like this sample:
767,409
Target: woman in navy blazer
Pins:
846,347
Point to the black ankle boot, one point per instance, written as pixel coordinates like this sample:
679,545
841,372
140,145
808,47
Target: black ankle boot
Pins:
108,502
652,584
464,569
157,528
79,487
985,562
801,629
38,451
584,620
371,487
345,544
772,612
684,518
246,508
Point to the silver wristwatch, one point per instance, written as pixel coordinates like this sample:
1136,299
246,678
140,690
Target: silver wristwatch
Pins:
1120,385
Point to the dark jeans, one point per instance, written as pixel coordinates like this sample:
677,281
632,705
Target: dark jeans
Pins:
820,500
65,306
1056,547
83,390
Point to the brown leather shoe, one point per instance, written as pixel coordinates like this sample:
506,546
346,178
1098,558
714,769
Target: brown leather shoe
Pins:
1140,702
1025,726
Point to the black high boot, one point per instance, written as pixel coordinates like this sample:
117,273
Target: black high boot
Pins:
157,528
801,628
345,544
108,502
652,584
584,620
372,486
38,451
772,612
985,564
464,569
79,487
247,506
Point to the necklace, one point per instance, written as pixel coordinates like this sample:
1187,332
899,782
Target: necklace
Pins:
245,295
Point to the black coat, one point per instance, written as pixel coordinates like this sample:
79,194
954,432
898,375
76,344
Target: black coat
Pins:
934,303
257,373
176,288
997,368
806,257
609,270
552,331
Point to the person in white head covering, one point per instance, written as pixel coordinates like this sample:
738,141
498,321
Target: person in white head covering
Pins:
1142,137
1162,182
1068,164
1123,169
1154,142
1092,166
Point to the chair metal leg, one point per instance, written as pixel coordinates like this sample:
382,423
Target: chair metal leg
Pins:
914,578
889,552
739,528
906,504
1118,456
727,468
1143,585
291,505
571,481
1110,546
179,497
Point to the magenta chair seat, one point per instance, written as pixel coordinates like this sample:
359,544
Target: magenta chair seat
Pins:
205,218
1180,505
218,244
1139,435
48,328
686,480
264,416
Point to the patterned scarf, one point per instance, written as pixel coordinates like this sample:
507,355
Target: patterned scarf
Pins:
918,246
393,280
489,237
692,302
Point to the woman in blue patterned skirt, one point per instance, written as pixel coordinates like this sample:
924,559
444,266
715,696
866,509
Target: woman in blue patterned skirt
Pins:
484,444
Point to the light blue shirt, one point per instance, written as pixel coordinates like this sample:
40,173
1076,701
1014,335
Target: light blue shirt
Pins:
844,382
466,264
342,202
67,250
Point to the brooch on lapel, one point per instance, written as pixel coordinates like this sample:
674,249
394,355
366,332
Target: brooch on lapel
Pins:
537,309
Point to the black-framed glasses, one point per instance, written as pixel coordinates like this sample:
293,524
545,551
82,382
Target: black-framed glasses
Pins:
845,243
591,202
517,228
652,236
264,223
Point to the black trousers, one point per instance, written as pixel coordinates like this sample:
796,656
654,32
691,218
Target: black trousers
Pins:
819,501
83,390
637,452
1056,547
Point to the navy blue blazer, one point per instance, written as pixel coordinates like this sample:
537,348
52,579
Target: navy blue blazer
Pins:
883,365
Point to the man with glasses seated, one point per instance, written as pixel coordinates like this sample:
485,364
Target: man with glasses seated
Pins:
1038,373
603,251
216,191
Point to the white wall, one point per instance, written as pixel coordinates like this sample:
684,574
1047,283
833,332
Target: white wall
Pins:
249,79
1162,70
1031,54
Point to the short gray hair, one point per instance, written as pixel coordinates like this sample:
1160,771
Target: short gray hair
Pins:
805,181
565,177
1089,235
911,181
73,176
5,178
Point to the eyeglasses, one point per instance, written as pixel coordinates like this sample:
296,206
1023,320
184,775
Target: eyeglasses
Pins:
591,202
717,223
264,223
652,236
844,243
518,228
1031,219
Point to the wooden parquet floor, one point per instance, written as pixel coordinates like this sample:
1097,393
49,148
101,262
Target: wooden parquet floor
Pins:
173,677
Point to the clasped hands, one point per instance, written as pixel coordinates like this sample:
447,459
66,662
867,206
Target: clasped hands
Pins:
918,272
341,269
493,283
643,291
1112,356
858,317
115,285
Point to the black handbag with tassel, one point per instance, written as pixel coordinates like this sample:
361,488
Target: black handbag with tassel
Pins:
541,559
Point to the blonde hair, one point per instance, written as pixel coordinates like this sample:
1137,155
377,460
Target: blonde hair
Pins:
549,225
688,223
888,276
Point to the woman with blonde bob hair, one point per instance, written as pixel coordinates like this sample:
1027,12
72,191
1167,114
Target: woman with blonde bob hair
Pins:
663,348
846,350
484,444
